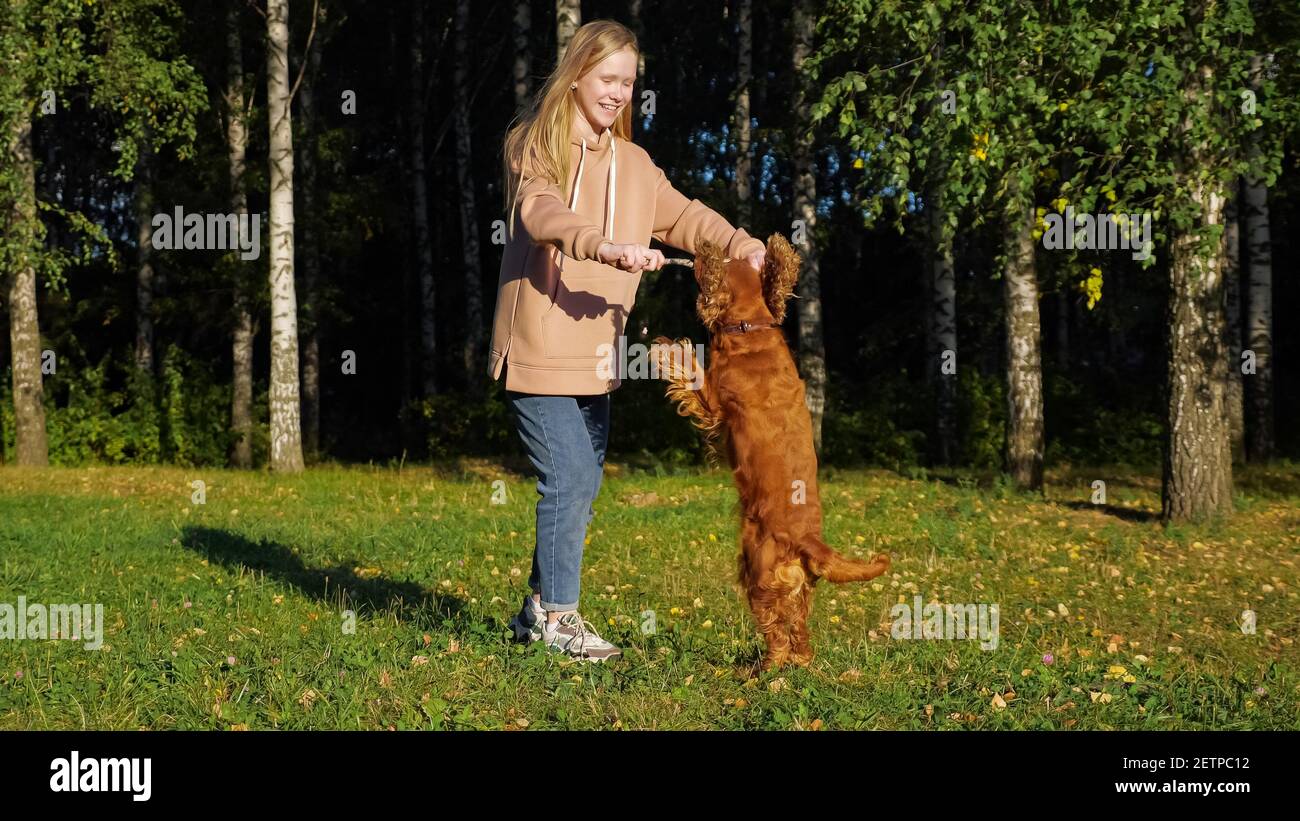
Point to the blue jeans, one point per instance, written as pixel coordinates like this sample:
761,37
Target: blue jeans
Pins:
565,437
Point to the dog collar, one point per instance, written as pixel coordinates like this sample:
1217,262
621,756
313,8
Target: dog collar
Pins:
746,327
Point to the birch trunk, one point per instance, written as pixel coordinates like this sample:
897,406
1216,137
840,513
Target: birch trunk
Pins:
310,250
1259,313
812,350
1197,479
1232,323
241,403
741,118
942,332
1024,356
568,17
30,445
144,207
1198,459
286,432
523,63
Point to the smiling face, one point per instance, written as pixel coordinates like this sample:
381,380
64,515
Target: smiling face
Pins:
603,92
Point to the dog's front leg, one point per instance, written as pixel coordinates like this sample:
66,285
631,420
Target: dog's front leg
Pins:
687,383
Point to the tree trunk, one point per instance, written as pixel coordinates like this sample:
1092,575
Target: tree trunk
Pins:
420,209
523,64
568,17
144,206
1198,458
1232,287
30,446
1024,357
310,250
636,23
286,432
812,349
741,118
241,403
472,352
1198,449
1259,312
942,318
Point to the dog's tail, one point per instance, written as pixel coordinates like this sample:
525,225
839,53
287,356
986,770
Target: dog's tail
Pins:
835,567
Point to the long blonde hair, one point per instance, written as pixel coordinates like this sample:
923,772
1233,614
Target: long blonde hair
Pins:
543,129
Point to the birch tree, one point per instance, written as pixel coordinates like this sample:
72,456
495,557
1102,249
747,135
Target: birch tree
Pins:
812,345
241,343
285,410
741,115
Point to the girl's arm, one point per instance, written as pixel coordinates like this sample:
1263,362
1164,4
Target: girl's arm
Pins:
679,221
547,218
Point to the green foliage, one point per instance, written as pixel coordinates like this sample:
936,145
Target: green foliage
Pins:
981,418
1120,102
194,410
96,414
97,423
461,424
122,58
861,429
1088,432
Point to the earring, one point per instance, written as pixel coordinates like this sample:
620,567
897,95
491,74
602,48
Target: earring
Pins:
572,86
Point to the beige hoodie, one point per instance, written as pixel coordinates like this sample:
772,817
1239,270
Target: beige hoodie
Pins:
556,303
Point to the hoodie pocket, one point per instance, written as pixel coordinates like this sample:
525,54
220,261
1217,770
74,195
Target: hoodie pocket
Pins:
586,313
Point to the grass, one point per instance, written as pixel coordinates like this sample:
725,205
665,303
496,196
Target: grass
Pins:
231,614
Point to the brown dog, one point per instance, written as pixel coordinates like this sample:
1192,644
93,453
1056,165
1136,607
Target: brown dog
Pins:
753,395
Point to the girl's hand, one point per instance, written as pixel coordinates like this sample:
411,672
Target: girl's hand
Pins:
630,257
756,259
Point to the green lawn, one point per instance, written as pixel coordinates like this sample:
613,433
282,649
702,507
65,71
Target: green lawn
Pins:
229,614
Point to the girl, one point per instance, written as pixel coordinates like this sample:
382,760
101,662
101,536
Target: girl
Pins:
583,203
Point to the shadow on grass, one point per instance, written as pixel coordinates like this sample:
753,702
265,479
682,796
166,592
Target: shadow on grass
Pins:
337,586
1128,514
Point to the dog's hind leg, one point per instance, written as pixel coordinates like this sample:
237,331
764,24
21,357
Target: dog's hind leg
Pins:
770,617
767,588
786,586
801,652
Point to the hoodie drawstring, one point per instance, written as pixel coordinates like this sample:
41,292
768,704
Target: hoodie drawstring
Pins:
608,230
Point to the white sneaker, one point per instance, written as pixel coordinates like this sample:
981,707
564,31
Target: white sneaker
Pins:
575,636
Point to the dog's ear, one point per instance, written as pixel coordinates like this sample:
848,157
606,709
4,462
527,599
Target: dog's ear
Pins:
711,274
780,272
